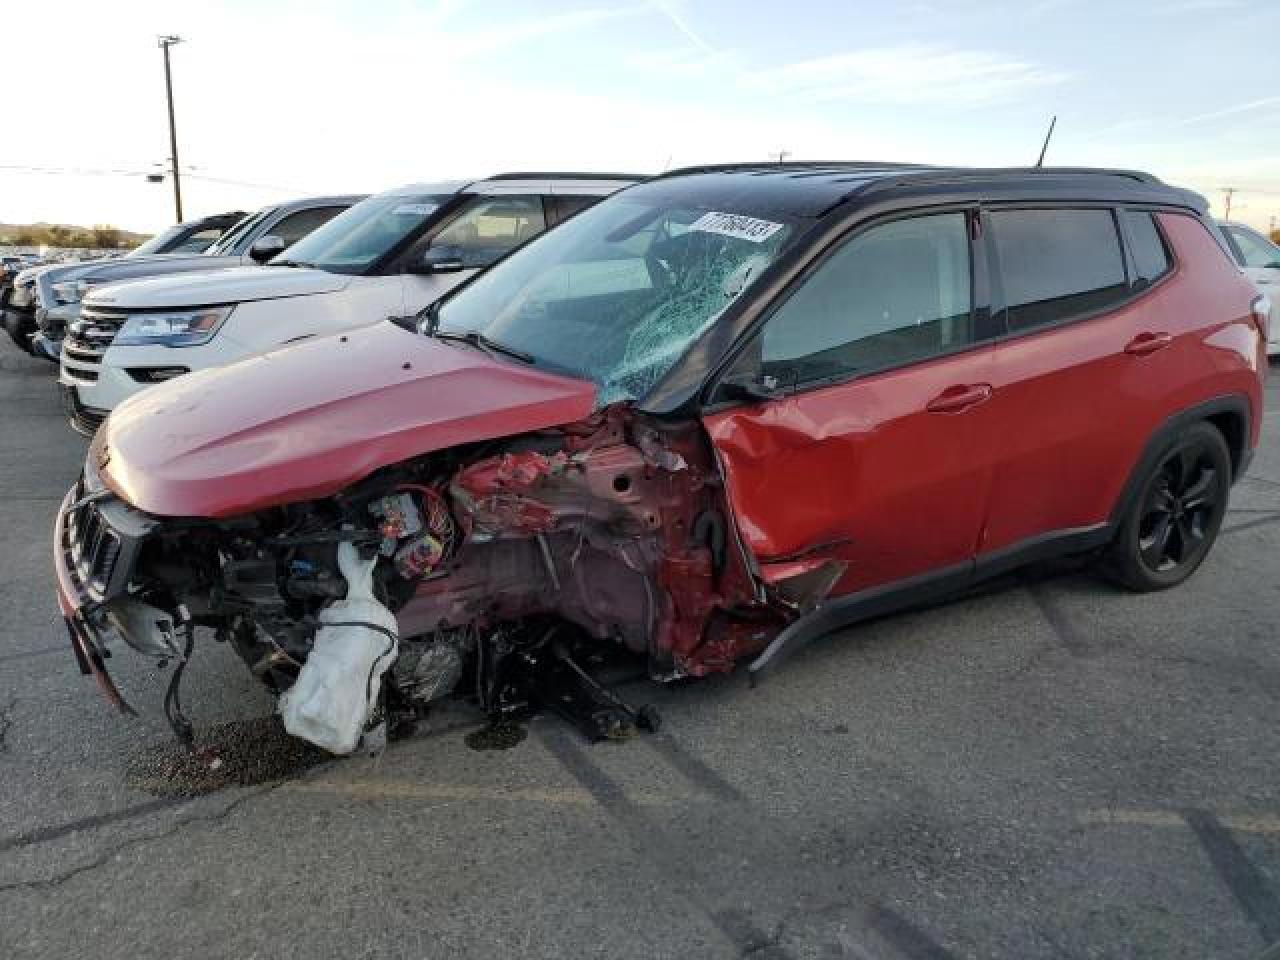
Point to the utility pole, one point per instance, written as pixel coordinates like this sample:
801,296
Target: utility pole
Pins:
165,43
780,156
1229,192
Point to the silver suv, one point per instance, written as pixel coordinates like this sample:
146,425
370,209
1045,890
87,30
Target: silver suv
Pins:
255,239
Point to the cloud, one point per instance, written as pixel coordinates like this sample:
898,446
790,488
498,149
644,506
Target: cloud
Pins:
673,10
1203,6
1228,111
682,62
466,46
1156,125
908,73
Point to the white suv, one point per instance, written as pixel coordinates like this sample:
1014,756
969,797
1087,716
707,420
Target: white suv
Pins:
1260,260
388,256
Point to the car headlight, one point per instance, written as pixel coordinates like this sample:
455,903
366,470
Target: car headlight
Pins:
70,291
178,328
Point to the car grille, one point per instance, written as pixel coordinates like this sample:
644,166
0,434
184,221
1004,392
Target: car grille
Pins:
88,338
93,548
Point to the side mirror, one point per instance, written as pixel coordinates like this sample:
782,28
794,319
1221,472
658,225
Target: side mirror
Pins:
743,389
265,248
438,261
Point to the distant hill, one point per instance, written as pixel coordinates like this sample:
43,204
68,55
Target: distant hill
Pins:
100,236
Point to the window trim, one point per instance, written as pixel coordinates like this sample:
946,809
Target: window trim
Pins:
980,312
999,303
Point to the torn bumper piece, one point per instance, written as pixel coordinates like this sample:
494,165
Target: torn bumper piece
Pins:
89,650
90,654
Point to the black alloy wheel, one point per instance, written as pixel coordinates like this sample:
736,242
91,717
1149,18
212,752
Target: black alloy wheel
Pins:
1177,515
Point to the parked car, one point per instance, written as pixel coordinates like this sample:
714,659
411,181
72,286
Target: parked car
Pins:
388,256
716,415
190,236
1260,260
193,236
253,239
19,306
10,267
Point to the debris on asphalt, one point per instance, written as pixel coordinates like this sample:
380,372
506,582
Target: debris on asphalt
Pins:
499,735
237,754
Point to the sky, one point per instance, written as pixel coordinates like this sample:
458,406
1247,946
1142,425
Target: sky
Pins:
281,98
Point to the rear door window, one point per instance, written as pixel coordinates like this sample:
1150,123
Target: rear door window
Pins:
489,228
898,293
1057,264
1150,257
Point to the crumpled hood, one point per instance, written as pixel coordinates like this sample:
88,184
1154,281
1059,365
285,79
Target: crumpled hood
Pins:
235,285
307,420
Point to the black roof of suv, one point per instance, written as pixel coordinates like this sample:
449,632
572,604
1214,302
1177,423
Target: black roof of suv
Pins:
814,189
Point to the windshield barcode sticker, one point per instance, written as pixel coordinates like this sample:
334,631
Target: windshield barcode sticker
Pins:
413,209
736,225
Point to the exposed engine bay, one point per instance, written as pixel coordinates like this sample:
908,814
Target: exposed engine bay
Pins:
490,571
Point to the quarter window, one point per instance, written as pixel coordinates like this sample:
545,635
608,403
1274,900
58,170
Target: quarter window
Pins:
566,207
484,232
1057,264
1150,258
897,293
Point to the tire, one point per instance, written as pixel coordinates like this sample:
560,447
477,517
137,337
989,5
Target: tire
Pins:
1172,524
19,336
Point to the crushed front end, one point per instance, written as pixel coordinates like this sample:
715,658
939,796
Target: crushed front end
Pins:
501,566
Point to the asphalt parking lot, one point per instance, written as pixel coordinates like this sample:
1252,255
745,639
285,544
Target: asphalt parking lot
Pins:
1050,768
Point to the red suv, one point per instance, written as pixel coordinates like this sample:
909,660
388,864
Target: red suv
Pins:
722,412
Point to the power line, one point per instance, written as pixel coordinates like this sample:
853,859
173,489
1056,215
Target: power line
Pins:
120,172
72,171
245,183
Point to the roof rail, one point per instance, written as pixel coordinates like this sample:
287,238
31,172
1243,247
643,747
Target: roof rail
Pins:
979,172
563,175
794,166
916,171
962,174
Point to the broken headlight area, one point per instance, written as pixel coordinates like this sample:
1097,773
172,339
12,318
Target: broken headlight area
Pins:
499,573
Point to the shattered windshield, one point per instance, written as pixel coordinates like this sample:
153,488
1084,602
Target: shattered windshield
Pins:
619,292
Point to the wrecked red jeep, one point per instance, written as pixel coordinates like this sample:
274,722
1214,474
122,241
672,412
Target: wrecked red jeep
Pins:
719,413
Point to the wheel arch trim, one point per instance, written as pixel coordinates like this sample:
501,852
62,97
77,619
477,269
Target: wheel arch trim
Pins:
1229,407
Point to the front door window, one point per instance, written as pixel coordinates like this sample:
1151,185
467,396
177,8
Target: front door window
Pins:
896,294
